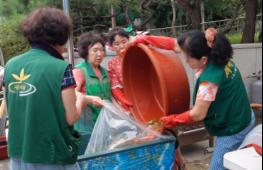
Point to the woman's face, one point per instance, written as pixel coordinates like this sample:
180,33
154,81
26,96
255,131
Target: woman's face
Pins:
194,63
120,44
96,54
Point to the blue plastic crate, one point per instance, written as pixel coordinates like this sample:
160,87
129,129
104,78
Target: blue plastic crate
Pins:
157,155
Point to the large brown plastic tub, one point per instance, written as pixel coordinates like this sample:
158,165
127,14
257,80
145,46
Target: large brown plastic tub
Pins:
156,83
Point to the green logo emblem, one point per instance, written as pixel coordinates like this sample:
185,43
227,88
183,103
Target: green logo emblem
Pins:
20,87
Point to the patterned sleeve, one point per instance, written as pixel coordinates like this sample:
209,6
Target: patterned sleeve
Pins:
207,91
68,80
114,81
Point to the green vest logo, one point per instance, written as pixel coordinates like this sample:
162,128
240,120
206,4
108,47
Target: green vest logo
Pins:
20,87
228,69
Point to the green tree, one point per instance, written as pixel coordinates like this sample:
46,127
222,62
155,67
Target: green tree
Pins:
21,7
192,8
122,12
12,42
222,9
11,7
250,21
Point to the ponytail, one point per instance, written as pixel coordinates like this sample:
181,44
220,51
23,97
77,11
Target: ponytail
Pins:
221,51
211,44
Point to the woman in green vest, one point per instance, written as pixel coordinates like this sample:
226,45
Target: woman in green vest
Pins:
91,80
40,97
220,97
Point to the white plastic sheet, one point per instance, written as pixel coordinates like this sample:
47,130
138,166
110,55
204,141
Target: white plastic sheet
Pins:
116,129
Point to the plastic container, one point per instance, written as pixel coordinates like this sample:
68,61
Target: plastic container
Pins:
152,155
155,83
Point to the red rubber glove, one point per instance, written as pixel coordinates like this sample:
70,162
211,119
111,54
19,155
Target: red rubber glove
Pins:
162,42
119,96
173,120
256,147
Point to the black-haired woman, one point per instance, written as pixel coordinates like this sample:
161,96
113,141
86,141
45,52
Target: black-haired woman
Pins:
93,81
220,97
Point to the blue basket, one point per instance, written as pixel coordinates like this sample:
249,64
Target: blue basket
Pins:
157,155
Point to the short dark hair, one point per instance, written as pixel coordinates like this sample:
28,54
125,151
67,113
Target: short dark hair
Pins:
87,40
117,31
194,44
47,25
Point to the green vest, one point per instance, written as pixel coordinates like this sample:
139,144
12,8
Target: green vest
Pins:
230,113
94,87
38,130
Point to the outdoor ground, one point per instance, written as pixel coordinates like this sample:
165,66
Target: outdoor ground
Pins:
4,164
194,154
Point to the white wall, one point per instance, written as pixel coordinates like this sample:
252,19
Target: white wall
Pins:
248,58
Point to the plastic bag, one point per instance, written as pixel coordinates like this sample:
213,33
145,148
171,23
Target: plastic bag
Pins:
254,137
116,129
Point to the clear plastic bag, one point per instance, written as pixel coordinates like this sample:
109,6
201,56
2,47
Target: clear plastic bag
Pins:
254,137
116,129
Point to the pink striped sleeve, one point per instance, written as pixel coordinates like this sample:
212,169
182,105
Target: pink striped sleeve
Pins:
207,91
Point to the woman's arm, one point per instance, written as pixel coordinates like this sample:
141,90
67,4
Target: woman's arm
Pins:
3,109
74,103
72,108
162,42
73,100
116,86
205,96
199,111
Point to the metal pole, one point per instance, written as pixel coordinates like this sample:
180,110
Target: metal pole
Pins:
113,18
203,14
70,45
2,59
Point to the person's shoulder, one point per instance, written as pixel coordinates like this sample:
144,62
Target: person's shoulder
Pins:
58,63
55,61
16,58
215,67
213,73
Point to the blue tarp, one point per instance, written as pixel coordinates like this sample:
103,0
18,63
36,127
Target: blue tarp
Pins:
158,155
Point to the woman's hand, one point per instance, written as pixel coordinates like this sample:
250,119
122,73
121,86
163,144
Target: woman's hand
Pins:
96,101
83,100
176,119
73,103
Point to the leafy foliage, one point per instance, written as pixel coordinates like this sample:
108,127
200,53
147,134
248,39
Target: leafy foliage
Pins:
12,42
96,14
